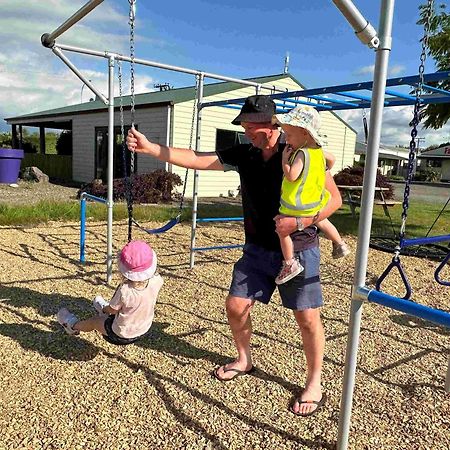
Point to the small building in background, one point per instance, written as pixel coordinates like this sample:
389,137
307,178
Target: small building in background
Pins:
392,161
166,117
437,159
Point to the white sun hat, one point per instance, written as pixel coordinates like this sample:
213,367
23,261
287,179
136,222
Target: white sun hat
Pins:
302,116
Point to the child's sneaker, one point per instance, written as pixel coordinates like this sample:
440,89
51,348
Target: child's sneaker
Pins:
340,250
289,271
67,320
99,303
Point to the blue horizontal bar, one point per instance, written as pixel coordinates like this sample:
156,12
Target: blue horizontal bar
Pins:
435,89
279,110
307,93
217,247
330,100
92,197
219,219
357,96
400,95
424,240
409,307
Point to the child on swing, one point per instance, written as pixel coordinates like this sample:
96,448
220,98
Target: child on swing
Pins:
303,191
129,314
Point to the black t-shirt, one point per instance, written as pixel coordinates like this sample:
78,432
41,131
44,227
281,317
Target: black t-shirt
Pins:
260,190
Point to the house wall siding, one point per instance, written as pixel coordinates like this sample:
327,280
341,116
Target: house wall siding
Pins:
341,139
151,121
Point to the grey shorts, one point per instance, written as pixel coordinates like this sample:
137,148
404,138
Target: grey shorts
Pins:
255,272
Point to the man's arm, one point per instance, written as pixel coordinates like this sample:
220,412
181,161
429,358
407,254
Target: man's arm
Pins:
189,159
287,225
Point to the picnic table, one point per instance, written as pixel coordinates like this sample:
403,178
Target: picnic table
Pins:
351,195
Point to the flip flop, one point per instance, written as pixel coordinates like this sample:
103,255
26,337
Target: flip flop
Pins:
238,373
319,404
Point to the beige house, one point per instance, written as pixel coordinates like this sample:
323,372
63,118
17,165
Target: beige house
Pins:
438,159
166,117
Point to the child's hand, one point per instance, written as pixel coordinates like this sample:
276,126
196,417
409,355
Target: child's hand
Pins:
287,152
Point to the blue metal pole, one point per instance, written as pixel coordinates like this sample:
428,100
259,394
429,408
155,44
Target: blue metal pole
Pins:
424,240
409,307
220,219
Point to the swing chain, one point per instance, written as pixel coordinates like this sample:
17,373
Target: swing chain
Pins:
416,117
132,17
128,186
191,138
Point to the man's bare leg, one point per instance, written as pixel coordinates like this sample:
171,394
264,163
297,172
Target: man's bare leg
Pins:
238,313
313,344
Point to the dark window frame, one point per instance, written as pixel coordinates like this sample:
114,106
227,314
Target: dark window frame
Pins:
117,150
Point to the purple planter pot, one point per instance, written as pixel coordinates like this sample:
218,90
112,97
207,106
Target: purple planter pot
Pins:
10,159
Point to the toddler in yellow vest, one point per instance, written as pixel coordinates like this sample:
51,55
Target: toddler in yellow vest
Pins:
303,192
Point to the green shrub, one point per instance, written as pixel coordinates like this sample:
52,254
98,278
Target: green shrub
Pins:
353,176
428,174
154,187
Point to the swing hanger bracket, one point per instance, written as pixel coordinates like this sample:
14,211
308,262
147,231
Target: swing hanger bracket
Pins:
363,29
368,36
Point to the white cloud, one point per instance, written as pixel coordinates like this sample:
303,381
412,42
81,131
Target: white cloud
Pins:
32,78
395,127
393,70
396,69
365,70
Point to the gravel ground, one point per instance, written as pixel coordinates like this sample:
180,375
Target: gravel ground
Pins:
29,192
62,392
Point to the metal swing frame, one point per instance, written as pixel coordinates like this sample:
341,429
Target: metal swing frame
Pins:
329,98
49,40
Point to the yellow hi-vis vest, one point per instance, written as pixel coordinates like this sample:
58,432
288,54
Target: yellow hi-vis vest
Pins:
305,196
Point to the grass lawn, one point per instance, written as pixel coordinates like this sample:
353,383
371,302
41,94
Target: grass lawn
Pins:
420,215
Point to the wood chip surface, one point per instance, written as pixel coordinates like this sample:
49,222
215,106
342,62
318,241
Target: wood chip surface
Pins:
63,392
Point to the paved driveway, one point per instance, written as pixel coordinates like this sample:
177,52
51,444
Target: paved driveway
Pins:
424,193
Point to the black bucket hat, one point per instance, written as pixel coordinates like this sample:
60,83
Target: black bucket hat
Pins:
257,108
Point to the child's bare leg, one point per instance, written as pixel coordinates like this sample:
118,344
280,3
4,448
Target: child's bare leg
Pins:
330,231
91,324
340,248
287,247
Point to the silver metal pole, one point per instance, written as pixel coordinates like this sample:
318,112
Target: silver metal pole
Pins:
363,29
370,172
197,148
158,65
86,82
110,203
49,38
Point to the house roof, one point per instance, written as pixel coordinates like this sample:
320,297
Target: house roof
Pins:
440,152
171,96
384,151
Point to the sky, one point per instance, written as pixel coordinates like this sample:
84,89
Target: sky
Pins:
231,38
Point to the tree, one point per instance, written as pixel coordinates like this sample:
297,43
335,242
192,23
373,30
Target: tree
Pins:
64,143
438,47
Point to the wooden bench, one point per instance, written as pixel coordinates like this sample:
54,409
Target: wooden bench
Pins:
354,201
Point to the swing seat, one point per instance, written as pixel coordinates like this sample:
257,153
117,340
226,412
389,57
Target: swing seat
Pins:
172,222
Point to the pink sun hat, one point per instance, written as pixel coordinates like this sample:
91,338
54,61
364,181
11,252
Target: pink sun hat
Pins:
137,261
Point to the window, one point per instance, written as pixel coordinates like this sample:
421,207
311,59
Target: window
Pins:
434,163
101,154
227,138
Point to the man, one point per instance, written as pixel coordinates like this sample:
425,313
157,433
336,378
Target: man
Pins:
260,170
